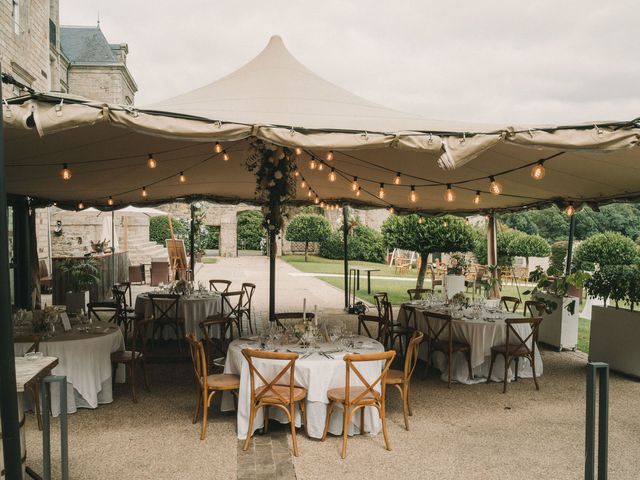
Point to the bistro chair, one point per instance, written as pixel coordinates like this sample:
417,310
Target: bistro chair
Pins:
221,286
516,348
166,314
126,314
271,393
135,357
33,387
418,293
231,305
380,298
395,331
211,342
510,304
401,379
360,395
103,312
371,325
245,309
125,287
280,317
208,385
411,317
440,337
534,308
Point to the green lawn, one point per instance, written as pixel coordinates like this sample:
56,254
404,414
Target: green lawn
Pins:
397,289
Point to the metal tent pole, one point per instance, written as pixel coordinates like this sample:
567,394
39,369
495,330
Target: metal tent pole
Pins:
8,396
192,238
345,231
492,250
572,231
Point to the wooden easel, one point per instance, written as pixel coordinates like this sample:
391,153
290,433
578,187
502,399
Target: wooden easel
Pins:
177,255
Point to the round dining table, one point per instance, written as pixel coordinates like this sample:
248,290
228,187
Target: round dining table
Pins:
480,333
193,308
85,359
318,370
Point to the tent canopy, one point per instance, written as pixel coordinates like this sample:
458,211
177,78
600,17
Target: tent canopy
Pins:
276,99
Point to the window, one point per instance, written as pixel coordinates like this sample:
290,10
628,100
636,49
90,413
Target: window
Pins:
15,14
52,33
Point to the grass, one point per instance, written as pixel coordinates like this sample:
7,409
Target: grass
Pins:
209,259
397,289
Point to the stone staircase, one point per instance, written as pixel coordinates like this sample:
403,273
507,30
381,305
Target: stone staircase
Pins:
141,250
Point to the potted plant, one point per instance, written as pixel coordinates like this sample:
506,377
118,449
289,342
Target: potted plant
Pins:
81,274
559,327
454,280
615,330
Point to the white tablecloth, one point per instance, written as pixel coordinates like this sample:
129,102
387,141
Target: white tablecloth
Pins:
85,359
480,335
317,374
193,309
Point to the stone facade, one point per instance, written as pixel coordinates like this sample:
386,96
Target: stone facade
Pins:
105,83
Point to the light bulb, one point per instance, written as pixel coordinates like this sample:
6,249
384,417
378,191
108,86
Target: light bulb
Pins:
494,187
217,148
296,173
332,175
182,178
65,173
354,184
313,164
570,210
537,172
298,151
110,201
445,224
152,162
303,183
391,210
225,156
449,194
330,155
381,191
316,200
144,191
358,191
420,220
322,205
413,196
309,193
476,199
80,205
397,180
320,166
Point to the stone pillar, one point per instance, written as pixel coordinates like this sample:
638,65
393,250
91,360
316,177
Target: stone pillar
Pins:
229,233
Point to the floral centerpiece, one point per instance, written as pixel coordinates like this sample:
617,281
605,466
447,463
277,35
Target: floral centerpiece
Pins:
181,287
460,300
43,319
305,331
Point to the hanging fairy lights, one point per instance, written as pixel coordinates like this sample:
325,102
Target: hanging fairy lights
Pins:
110,201
80,205
397,180
570,210
354,184
151,162
381,191
330,155
303,183
298,151
65,173
449,194
332,175
313,164
413,196
538,171
217,148
494,187
225,156
182,178
476,199
144,192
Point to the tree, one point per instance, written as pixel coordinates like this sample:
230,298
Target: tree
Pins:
159,229
433,235
558,258
608,248
250,229
523,245
308,227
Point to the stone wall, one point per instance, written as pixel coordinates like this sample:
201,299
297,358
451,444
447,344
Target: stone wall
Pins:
107,83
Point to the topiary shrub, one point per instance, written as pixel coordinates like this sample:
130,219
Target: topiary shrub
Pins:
308,227
212,241
557,262
602,249
366,244
159,229
250,230
331,247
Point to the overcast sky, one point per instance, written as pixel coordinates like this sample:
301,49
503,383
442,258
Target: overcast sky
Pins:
488,61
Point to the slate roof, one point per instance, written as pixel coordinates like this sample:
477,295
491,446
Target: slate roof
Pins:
85,45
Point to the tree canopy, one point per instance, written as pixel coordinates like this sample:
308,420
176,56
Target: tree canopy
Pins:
308,227
608,248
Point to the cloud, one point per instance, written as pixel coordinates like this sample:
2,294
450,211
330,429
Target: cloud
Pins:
491,61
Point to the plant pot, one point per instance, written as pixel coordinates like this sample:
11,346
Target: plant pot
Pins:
560,327
453,284
76,301
614,339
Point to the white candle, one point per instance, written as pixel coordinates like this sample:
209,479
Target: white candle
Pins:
315,315
304,309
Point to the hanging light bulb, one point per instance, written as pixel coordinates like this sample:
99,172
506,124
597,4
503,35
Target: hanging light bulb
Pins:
494,187
381,191
420,220
316,200
110,201
313,164
303,183
332,175
397,180
537,172
391,209
476,199
182,178
320,166
217,148
322,204
570,210
445,224
354,184
358,191
225,156
330,155
80,205
65,173
449,194
309,193
298,151
151,162
144,191
296,173
413,196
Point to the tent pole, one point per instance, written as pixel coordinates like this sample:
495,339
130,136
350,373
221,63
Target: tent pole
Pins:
113,246
572,231
492,251
22,253
8,395
345,234
274,207
192,239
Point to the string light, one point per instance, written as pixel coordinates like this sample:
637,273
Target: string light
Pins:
358,191
332,175
316,200
538,172
320,166
110,201
298,151
217,148
476,199
397,180
65,173
413,196
381,191
322,204
80,205
449,194
296,173
303,183
309,193
445,224
391,210
570,210
151,162
354,184
313,164
182,178
330,155
225,156
144,191
494,187
420,220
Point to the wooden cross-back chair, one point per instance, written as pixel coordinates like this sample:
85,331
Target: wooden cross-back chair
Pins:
514,301
33,387
270,393
219,285
212,343
373,326
126,315
231,308
380,298
247,300
135,357
104,312
534,308
418,293
208,385
354,398
516,348
279,317
440,339
166,314
401,379
395,331
125,287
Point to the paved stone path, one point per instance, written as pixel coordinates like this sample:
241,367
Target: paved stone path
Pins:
268,457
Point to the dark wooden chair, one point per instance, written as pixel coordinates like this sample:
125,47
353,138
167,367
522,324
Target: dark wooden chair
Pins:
418,293
212,343
135,357
166,314
534,308
510,304
159,271
247,301
126,314
395,331
137,274
279,317
373,326
231,306
440,337
104,312
380,298
516,348
33,387
221,286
